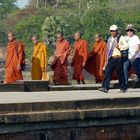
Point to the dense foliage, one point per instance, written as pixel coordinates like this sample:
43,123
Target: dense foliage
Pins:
46,17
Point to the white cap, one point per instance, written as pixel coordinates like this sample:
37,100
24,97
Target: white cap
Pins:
113,28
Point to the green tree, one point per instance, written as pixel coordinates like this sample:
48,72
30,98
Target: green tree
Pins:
6,6
51,26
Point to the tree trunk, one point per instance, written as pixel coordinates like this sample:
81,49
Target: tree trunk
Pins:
37,3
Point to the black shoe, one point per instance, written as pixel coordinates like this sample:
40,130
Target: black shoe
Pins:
103,90
78,82
83,82
122,91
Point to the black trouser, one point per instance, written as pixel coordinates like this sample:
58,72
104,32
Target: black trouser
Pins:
114,64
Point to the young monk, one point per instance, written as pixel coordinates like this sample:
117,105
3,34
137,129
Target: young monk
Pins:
97,59
60,64
14,57
39,59
79,58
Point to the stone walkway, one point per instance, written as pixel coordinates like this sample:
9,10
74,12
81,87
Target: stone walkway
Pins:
30,97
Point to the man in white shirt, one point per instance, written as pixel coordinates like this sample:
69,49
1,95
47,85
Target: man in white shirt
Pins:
115,44
134,53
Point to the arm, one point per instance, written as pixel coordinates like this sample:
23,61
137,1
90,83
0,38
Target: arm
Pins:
20,53
73,56
66,53
137,41
44,58
85,53
137,51
123,45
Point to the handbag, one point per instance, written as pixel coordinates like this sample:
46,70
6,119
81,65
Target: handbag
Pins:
124,53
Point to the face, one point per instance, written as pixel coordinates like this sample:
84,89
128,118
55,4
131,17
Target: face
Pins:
113,33
34,40
59,37
97,38
77,36
130,32
10,36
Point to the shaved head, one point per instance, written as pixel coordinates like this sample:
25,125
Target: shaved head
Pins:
98,37
77,36
59,36
11,36
35,36
35,39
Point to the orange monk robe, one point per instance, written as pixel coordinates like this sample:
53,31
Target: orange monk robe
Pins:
14,56
39,61
60,64
79,57
96,60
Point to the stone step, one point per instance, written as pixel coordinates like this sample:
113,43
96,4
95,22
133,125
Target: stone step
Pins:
68,102
25,85
23,112
34,85
113,85
52,116
39,85
11,87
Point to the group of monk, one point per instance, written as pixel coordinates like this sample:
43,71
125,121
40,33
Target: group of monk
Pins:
102,61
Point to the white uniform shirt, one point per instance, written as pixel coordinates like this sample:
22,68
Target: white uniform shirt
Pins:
133,43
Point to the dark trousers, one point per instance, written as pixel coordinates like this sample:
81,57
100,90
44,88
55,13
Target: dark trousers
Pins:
131,64
127,66
114,64
137,67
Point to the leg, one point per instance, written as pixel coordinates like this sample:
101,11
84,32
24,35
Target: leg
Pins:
120,73
126,67
136,65
108,74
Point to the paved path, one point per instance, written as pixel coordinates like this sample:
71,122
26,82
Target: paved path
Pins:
28,97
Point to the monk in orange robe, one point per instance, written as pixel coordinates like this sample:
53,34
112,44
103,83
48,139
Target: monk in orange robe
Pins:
39,59
79,58
97,59
60,64
14,57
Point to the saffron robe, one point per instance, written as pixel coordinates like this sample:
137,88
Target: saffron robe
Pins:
14,56
60,64
96,60
39,61
79,57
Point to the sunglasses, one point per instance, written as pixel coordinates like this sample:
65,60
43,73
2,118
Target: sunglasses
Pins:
130,30
112,30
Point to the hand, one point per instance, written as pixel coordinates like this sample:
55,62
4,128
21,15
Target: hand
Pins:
43,70
72,62
104,67
84,63
18,67
133,58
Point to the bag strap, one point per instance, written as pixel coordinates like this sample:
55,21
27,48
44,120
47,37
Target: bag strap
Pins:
118,38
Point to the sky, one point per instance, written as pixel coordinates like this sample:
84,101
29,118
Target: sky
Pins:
22,3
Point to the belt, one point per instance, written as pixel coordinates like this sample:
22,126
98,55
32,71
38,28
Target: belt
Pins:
117,56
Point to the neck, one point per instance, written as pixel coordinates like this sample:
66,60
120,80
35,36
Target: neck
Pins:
37,43
78,39
131,35
12,40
